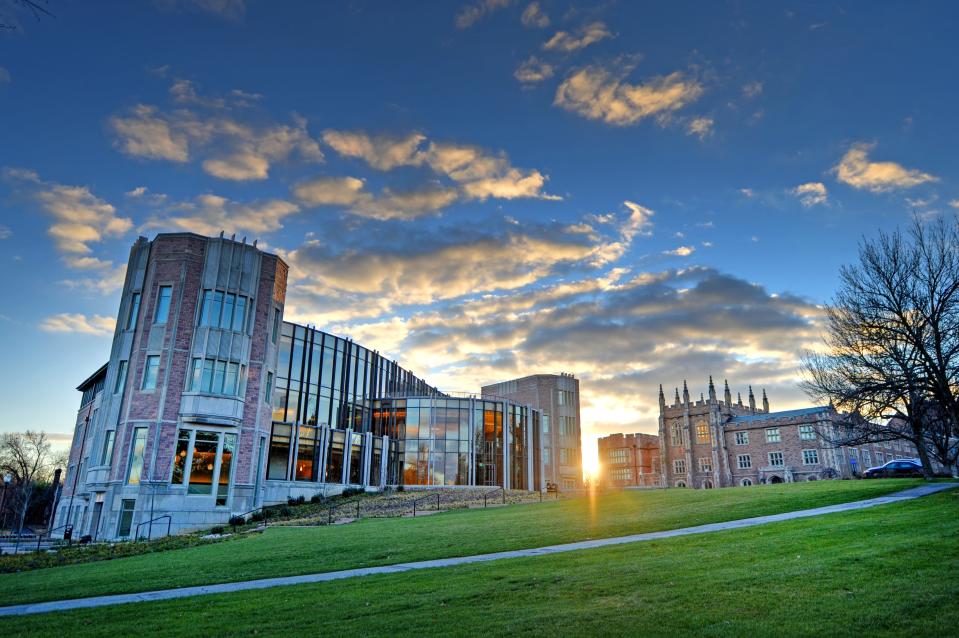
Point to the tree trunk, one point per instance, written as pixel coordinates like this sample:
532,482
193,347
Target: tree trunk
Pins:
923,452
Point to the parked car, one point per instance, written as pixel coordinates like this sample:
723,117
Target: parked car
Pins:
897,468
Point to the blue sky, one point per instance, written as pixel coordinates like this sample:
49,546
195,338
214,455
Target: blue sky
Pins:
634,193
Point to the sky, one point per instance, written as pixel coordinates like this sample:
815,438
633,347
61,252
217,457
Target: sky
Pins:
635,193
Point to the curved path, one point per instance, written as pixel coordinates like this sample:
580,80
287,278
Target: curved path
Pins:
265,583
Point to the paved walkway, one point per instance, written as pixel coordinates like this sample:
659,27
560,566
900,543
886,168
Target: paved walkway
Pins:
265,583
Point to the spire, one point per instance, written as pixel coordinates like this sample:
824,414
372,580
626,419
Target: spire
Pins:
727,394
685,392
739,399
712,390
676,400
702,399
765,401
662,399
752,401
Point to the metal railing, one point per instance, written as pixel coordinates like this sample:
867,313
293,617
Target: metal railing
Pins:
335,506
169,522
486,495
423,498
50,534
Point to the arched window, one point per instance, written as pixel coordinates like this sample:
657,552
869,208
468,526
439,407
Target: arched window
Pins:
707,484
746,482
680,483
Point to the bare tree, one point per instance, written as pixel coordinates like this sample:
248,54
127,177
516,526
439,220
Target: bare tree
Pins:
9,9
28,459
892,343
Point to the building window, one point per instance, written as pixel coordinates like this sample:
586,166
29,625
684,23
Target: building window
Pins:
224,310
135,467
567,426
810,457
880,458
744,461
776,459
742,438
705,465
773,435
746,482
807,433
680,483
276,325
216,377
546,456
618,455
126,518
866,458
269,386
121,378
150,372
107,455
564,397
162,313
675,434
134,311
202,460
702,433
679,466
280,453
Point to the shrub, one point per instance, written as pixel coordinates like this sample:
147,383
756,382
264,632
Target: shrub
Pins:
400,488
299,500
257,517
352,491
285,510
316,498
217,529
236,521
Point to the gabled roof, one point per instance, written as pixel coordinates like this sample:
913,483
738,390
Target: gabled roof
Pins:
785,414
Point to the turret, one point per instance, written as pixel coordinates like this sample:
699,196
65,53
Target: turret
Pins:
765,402
727,394
662,399
676,398
712,390
739,399
685,393
752,401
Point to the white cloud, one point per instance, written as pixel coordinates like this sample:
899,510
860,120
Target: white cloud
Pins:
471,14
598,93
747,192
139,191
954,203
582,38
79,323
534,16
681,251
700,126
349,193
381,152
232,10
533,70
858,171
752,89
4,75
106,281
145,134
5,232
209,214
811,193
330,191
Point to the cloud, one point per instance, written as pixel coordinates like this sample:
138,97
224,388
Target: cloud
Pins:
471,14
858,171
5,232
330,191
4,75
747,192
232,150
380,152
349,193
681,251
185,92
534,16
954,203
598,93
80,217
77,323
811,193
700,126
568,42
752,89
533,70
231,10
107,280
209,214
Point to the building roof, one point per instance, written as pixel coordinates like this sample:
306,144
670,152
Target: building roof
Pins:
785,414
101,372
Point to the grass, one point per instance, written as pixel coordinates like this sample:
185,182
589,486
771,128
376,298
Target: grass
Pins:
889,570
290,551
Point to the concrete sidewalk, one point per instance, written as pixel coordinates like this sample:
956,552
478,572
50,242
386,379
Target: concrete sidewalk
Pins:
265,583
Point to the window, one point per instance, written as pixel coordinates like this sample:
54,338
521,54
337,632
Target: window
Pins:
680,483
806,433
564,397
202,460
135,468
223,310
866,457
566,456
226,465
810,457
134,311
621,474
269,386
216,377
776,459
705,465
880,458
280,453
567,426
163,305
675,434
546,456
742,438
180,457
702,433
679,466
121,378
150,371
107,455
773,435
126,518
746,482
276,324
203,463
744,461
618,455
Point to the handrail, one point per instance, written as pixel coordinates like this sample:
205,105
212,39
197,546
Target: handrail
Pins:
423,498
255,509
50,533
334,506
496,491
169,522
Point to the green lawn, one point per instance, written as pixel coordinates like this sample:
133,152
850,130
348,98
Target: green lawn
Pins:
289,551
890,570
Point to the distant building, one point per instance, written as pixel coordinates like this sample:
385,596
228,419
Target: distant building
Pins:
714,442
629,460
557,395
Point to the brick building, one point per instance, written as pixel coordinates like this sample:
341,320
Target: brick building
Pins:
629,460
714,442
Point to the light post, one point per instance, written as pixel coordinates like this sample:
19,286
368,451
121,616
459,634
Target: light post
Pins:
3,498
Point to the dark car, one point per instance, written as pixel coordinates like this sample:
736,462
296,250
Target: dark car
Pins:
898,468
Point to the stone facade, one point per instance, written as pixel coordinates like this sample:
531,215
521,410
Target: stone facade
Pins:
714,442
629,460
557,395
